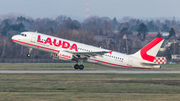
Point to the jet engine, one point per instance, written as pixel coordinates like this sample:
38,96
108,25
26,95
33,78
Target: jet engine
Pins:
62,56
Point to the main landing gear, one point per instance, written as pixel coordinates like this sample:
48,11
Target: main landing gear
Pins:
76,66
29,54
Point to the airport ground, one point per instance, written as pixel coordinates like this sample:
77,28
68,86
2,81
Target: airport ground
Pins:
70,66
86,87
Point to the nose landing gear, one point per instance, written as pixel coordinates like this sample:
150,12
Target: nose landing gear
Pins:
29,54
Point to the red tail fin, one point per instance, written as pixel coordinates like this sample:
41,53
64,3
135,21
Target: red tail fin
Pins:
149,51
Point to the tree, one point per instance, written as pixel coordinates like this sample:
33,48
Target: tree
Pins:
151,26
167,22
126,19
135,26
159,35
5,22
60,20
23,19
93,24
4,33
171,33
114,24
124,29
172,50
142,30
165,28
123,25
18,27
6,29
72,24
115,21
75,25
106,29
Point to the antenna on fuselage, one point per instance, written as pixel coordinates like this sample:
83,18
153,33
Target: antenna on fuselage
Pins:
36,32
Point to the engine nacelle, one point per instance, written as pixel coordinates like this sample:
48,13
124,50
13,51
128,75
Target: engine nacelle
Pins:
62,56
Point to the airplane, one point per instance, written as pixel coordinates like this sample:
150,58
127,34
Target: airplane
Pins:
63,49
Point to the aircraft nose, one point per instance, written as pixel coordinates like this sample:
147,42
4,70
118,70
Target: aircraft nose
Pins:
14,37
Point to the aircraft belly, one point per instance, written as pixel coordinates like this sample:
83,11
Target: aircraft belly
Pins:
108,62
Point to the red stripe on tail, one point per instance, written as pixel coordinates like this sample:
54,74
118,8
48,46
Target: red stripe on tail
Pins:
144,50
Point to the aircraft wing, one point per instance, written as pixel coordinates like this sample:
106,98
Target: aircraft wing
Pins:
89,54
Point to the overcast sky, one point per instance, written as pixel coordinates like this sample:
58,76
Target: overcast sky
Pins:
101,8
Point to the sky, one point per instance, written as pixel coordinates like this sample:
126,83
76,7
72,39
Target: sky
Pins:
101,8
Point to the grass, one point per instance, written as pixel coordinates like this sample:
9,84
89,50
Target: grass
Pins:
86,87
70,66
96,87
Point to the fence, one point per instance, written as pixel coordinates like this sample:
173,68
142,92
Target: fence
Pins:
32,61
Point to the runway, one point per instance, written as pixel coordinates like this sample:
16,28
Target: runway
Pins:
89,71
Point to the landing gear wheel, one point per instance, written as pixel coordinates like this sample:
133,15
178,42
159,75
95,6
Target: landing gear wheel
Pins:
28,55
76,66
81,67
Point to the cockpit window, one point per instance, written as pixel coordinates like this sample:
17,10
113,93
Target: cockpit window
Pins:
23,34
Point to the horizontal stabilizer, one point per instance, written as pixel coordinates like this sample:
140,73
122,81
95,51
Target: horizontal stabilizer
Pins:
149,64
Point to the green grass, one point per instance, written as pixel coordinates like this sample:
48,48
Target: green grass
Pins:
36,66
70,66
88,87
171,66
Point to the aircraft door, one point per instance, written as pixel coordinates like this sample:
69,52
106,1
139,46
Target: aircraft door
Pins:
130,61
33,37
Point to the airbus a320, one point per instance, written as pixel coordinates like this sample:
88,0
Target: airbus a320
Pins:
63,49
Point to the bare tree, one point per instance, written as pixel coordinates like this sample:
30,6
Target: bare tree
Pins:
93,24
61,19
106,29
